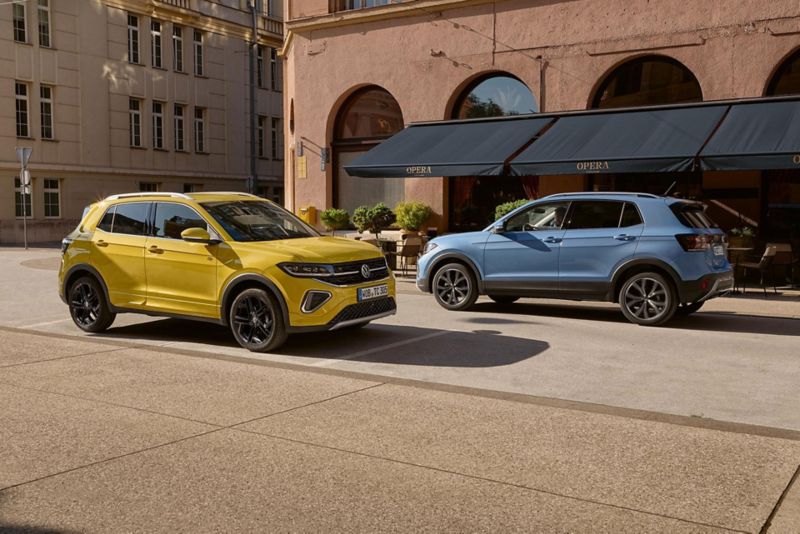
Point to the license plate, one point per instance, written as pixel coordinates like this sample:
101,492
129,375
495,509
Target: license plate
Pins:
719,250
366,293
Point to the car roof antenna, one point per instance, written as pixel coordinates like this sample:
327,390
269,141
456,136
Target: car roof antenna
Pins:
670,188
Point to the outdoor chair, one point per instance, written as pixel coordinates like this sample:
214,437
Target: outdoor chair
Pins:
785,257
762,265
411,248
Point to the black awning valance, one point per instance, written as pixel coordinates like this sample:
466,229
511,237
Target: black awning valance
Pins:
759,135
665,140
463,148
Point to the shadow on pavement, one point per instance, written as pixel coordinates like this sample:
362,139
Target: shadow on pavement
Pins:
379,343
707,321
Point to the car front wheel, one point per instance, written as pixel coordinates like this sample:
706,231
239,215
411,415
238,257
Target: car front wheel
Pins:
455,287
88,307
648,299
257,322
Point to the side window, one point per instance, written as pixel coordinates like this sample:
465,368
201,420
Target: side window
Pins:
107,220
630,216
539,217
172,219
130,218
595,214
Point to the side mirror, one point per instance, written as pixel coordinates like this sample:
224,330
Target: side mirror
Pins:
198,235
499,228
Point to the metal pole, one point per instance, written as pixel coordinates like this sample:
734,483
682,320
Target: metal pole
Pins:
253,45
24,210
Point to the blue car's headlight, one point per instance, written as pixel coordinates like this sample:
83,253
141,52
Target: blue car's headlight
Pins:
429,247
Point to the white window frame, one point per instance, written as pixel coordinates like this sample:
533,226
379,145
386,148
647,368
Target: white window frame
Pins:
273,70
260,66
43,13
57,191
158,124
275,138
46,110
134,121
22,101
199,130
180,129
133,39
20,18
177,49
197,42
156,44
262,142
28,199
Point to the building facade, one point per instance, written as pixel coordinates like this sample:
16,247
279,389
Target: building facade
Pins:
133,95
358,71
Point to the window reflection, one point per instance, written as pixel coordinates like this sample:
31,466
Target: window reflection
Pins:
647,81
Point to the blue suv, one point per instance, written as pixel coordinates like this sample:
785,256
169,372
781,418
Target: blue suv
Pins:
655,256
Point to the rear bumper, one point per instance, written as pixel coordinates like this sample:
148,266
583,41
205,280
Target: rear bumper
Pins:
716,285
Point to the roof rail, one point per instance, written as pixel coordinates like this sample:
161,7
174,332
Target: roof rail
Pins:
239,193
148,194
604,193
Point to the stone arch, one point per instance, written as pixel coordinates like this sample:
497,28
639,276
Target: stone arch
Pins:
465,88
785,77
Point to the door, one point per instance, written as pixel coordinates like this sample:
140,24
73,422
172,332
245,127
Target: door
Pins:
524,258
181,276
600,235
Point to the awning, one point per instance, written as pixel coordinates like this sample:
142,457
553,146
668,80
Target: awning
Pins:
761,135
458,148
662,140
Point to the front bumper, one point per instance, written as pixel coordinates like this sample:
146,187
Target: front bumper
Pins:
716,285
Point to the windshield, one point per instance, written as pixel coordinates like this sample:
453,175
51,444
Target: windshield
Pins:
255,220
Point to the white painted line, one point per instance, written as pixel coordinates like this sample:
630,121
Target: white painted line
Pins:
44,324
378,349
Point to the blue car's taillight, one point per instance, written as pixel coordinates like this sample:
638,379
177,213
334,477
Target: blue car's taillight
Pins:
694,242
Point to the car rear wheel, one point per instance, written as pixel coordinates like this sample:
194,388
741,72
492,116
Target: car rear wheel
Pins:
688,309
455,287
648,299
88,307
503,299
256,321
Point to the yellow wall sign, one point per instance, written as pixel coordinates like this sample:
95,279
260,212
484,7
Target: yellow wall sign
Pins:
302,167
796,160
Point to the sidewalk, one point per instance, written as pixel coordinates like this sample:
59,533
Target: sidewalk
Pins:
101,436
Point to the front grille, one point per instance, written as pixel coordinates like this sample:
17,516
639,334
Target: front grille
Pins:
349,273
364,309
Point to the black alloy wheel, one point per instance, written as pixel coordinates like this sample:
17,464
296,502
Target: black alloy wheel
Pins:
455,287
257,322
88,307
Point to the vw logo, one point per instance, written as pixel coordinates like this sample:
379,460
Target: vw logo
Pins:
365,272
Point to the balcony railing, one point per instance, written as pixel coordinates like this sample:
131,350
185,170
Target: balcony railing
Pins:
184,4
350,5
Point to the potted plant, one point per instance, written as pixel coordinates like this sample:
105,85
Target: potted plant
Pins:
742,237
373,220
412,215
504,209
335,219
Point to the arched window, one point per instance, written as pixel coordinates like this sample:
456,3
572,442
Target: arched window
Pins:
787,78
370,116
648,80
473,199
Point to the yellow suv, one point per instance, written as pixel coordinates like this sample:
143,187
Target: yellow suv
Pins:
228,258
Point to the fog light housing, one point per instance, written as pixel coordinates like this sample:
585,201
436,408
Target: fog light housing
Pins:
314,300
705,285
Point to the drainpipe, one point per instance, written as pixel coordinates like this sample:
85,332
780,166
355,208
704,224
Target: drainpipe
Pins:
254,185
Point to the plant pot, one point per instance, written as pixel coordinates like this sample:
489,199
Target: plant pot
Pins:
740,242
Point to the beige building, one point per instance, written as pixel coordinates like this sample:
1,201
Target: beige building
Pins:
120,96
359,71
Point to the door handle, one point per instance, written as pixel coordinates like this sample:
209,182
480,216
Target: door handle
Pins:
155,250
624,237
101,243
553,240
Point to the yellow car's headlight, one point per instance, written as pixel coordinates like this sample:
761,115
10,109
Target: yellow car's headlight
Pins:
307,270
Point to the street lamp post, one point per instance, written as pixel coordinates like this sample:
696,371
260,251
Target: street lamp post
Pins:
24,154
253,44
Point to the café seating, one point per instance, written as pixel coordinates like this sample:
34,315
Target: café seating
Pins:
761,264
785,257
411,248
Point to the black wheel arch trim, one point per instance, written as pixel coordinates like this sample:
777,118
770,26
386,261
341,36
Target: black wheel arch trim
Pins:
94,272
453,256
636,262
252,277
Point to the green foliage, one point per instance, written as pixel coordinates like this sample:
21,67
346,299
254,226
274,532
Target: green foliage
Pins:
744,231
412,215
503,209
335,219
373,220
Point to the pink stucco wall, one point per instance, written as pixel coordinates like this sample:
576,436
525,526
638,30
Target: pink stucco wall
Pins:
562,49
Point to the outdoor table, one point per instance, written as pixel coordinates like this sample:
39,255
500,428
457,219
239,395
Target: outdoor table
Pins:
389,245
738,250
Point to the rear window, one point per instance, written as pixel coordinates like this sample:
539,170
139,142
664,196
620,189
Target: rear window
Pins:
595,214
692,215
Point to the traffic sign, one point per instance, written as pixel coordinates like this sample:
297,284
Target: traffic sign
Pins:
25,177
23,155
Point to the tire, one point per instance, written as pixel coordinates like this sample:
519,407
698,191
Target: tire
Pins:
88,307
455,287
503,299
688,309
257,321
648,299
